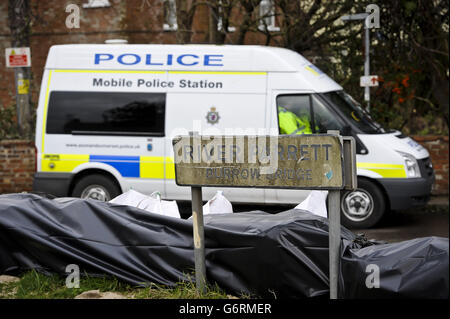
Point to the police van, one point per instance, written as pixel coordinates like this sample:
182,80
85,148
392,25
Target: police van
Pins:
107,114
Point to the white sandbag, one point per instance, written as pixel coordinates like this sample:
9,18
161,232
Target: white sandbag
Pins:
315,203
219,204
130,198
164,207
152,203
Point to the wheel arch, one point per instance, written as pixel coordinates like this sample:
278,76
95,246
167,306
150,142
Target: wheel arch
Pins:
91,171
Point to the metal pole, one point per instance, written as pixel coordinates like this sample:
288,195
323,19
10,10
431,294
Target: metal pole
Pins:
367,64
23,107
334,219
199,238
18,76
334,233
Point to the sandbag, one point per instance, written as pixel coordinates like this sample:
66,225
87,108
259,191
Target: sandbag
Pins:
152,203
315,203
219,204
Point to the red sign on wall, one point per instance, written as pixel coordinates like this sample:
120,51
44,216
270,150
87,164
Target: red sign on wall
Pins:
18,57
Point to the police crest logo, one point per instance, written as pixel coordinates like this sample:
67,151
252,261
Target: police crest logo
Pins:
212,116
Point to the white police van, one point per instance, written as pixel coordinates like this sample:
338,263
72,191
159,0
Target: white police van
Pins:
107,114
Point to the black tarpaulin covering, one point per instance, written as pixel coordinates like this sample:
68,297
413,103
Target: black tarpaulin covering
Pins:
282,255
416,268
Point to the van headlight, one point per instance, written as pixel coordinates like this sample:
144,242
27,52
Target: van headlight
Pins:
412,167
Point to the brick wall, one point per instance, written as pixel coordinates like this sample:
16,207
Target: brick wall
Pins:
437,146
16,166
17,163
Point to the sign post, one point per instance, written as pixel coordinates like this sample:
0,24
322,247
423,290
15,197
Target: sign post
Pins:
19,59
199,238
322,162
369,80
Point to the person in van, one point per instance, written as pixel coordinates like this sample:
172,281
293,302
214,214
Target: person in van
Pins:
292,124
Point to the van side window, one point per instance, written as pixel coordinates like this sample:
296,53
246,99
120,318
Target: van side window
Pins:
106,113
294,114
324,119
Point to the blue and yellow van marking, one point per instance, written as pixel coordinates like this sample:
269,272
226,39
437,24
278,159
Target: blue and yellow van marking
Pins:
128,166
44,120
62,162
155,167
385,170
152,167
160,167
313,69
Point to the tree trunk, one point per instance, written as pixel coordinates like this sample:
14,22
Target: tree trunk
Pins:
185,15
19,23
213,33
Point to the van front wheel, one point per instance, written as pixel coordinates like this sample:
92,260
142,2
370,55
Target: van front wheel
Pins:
97,187
364,207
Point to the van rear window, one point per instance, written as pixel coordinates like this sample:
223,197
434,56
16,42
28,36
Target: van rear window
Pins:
106,113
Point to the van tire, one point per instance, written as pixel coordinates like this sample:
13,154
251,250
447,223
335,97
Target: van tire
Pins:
363,207
96,186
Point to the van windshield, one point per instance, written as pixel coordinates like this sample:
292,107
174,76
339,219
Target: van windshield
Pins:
353,111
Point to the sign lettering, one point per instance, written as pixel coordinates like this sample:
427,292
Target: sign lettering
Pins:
301,161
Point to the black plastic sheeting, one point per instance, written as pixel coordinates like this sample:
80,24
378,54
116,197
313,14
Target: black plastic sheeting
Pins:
282,255
416,268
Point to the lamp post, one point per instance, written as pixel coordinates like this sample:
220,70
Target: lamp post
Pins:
363,16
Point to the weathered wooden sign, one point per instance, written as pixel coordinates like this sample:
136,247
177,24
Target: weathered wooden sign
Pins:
323,161
299,162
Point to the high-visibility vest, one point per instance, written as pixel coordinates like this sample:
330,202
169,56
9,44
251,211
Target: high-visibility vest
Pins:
291,123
